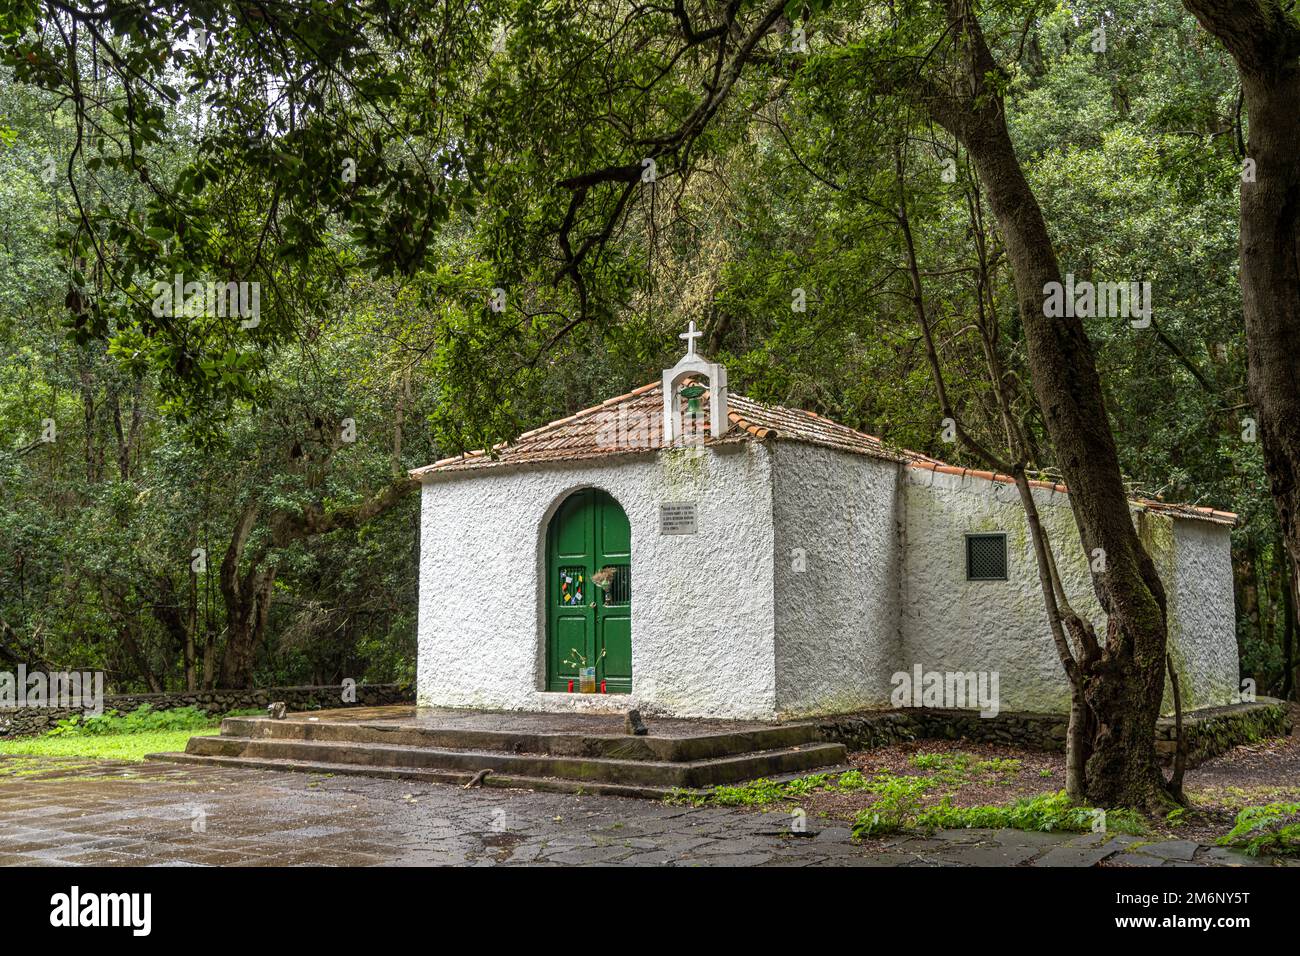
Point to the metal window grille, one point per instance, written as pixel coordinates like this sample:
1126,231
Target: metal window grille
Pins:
619,592
986,557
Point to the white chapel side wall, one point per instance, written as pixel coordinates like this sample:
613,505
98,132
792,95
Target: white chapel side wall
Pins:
1202,614
952,624
476,601
837,572
702,604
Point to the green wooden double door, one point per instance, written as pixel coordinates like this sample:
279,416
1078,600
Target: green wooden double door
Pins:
589,593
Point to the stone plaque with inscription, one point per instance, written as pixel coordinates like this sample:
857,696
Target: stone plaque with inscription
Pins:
677,517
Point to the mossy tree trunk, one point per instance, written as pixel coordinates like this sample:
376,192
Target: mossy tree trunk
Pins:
1122,680
1263,38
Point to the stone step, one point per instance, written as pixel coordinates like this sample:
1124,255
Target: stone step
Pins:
608,770
507,781
584,745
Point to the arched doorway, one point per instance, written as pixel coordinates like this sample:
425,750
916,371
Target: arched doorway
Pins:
589,592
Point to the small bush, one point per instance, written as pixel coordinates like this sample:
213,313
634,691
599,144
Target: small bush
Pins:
801,786
850,780
1049,812
955,769
754,793
942,762
898,801
144,719
1272,828
1046,812
998,765
682,797
764,791
947,817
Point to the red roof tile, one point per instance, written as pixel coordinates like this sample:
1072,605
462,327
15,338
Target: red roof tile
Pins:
633,423
1147,504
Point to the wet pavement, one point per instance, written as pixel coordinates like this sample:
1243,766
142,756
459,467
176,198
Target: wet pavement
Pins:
155,814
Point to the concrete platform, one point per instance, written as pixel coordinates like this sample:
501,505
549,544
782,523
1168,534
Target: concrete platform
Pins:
565,752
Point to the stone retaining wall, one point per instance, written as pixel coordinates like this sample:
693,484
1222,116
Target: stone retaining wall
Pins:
1209,732
1215,730
23,721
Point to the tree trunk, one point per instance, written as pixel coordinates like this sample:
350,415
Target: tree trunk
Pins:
1264,41
1079,735
241,595
1243,578
1270,285
209,656
1267,603
246,625
114,605
1124,685
178,621
123,454
88,419
191,628
248,597
1288,625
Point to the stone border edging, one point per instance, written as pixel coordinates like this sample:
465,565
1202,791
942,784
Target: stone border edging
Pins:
1210,732
26,721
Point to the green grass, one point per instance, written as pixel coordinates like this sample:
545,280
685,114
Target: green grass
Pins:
764,792
128,746
755,793
900,800
955,769
116,736
1047,812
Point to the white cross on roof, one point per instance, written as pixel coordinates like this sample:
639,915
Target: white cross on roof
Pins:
690,337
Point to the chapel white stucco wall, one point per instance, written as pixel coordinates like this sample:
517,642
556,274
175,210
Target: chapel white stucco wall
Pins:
837,635
1203,615
702,604
952,624
723,625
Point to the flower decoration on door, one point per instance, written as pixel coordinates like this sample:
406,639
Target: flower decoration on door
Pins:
571,586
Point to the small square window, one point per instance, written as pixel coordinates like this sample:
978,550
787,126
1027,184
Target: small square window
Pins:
986,557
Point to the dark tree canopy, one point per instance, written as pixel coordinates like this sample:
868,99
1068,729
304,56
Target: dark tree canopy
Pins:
465,219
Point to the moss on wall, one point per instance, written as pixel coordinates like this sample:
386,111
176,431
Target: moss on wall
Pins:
1218,729
1156,532
685,470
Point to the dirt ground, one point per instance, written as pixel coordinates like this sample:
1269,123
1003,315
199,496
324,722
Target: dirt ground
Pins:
1253,774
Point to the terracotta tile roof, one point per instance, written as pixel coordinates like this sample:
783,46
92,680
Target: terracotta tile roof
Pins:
1146,504
621,425
633,423
775,421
